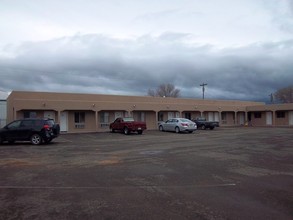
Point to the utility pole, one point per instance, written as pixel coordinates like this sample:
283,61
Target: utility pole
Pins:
203,85
272,97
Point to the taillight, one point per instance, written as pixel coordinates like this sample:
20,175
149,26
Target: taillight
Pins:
46,127
184,124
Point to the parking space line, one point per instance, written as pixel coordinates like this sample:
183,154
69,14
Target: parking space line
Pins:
106,187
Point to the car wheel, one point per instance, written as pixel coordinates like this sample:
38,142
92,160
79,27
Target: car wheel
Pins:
203,127
112,130
1,140
212,128
161,128
177,130
126,131
139,132
190,132
36,139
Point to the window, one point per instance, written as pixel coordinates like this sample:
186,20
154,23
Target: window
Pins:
224,117
104,119
280,114
161,116
140,116
128,119
79,119
27,124
188,115
29,114
257,114
14,125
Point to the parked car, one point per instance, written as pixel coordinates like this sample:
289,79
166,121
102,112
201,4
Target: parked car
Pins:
127,125
203,124
178,125
37,131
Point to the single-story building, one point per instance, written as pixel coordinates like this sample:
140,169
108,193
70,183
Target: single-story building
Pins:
94,112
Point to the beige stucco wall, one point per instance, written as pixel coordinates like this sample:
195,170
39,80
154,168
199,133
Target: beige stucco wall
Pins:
258,121
283,121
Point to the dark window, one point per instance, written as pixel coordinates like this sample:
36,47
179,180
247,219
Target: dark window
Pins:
79,119
104,117
13,125
29,114
161,116
188,115
280,114
39,123
249,116
27,124
140,116
257,114
224,116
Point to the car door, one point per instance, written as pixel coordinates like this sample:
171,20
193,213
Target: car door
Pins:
25,129
166,125
170,125
12,130
174,124
117,124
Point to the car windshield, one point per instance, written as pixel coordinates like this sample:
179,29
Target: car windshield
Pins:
128,119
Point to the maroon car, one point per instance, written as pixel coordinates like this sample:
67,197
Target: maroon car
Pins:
127,125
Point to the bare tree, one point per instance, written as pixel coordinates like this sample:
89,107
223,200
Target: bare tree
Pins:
151,92
285,95
165,90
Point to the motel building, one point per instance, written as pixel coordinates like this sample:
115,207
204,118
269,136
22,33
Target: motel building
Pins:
78,113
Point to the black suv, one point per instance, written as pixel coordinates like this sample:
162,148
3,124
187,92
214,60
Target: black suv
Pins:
34,130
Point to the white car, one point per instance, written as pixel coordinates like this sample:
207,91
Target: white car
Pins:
178,125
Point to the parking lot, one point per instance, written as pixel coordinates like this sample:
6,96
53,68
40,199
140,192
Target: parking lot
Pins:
226,173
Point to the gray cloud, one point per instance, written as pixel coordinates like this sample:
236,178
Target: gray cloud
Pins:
101,64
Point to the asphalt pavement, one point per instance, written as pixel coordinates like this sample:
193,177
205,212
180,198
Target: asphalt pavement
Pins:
226,173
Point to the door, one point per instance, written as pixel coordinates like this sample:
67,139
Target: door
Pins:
168,125
64,121
118,124
241,118
291,118
11,131
26,128
269,118
210,116
217,117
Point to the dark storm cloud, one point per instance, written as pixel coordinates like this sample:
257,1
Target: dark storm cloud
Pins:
100,64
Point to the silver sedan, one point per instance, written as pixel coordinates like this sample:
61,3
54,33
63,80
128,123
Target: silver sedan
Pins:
178,125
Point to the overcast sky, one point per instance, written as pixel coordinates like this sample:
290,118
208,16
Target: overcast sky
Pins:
243,49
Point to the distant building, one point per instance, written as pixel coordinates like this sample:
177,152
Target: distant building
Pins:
92,112
3,111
